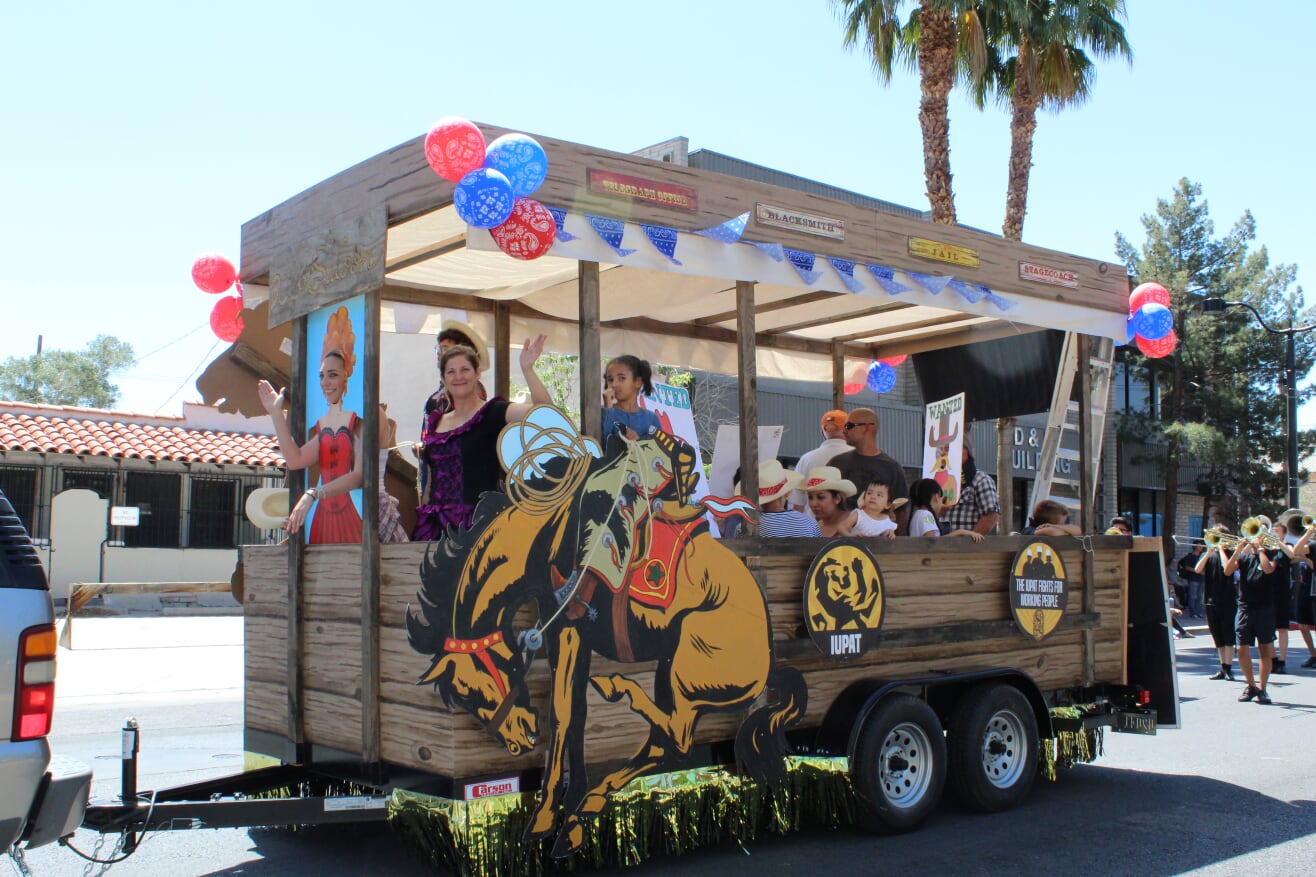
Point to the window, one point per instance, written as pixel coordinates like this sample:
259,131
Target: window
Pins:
19,484
158,497
101,481
213,512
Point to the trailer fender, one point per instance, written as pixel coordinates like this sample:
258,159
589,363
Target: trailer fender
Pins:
839,731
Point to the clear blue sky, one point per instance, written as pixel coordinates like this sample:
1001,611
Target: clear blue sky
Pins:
138,135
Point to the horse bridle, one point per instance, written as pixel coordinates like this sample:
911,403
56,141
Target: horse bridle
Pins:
479,649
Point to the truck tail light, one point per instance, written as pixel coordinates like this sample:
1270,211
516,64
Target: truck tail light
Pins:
34,706
1144,697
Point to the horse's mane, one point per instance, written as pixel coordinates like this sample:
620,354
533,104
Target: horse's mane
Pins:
441,573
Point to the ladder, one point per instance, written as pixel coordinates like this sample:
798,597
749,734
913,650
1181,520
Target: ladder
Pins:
1058,476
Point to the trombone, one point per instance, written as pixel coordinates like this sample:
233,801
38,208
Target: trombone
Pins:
1250,529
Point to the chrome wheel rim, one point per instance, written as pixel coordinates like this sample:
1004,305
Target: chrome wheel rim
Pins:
905,768
1004,749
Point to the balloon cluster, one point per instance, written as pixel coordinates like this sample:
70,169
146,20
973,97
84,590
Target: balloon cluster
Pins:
214,274
879,376
494,184
1151,322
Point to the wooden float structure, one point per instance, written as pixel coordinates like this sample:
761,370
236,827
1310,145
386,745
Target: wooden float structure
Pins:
330,677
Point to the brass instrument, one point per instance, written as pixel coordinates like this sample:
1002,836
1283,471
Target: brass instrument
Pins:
1297,523
1210,538
1253,529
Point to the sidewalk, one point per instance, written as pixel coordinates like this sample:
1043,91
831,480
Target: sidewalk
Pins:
126,655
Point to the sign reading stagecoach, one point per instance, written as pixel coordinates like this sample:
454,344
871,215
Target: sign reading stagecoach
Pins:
843,600
1039,589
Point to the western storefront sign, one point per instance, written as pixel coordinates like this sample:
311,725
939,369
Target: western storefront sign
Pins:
1046,274
808,223
939,251
655,192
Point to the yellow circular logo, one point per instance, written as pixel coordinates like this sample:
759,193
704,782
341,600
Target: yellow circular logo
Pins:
843,599
1038,589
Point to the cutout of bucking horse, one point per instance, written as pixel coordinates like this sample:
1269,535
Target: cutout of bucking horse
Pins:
621,563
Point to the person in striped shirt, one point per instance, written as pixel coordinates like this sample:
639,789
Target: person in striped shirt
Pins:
776,518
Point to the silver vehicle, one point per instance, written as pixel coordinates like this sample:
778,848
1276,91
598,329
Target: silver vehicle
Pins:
41,798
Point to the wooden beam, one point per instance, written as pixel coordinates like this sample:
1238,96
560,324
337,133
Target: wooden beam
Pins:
770,306
748,385
941,321
296,543
970,335
258,364
502,349
424,254
591,365
371,736
838,375
840,318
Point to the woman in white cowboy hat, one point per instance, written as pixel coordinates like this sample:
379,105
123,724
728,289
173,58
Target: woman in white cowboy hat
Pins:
827,492
776,518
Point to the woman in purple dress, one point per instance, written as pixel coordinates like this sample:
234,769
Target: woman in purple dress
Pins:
459,445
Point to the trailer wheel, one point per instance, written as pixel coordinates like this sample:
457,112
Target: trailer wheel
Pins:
899,764
993,748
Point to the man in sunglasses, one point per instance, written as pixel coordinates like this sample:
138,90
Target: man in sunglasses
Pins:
866,461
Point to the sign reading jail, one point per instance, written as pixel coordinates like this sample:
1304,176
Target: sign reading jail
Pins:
1039,589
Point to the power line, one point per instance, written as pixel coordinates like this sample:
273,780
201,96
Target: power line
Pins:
195,369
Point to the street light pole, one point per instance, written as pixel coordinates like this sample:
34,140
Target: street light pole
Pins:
1218,306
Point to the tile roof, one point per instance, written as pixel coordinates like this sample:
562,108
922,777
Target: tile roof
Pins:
65,430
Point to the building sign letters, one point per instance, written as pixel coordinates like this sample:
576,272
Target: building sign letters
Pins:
943,252
655,192
808,223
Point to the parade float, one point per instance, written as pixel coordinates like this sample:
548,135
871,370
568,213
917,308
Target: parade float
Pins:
589,673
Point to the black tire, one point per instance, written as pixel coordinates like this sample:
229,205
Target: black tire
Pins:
993,748
899,764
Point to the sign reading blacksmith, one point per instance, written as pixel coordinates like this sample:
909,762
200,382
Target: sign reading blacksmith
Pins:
1039,589
843,600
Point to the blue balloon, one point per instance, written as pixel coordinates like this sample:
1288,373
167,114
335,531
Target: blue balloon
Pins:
483,198
881,377
1153,321
521,159
1129,333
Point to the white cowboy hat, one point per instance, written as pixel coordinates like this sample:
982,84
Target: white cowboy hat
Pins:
481,347
267,507
775,481
828,478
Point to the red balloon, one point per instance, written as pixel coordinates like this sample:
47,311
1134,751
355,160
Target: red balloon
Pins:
1159,348
851,389
528,232
213,273
1146,293
226,318
894,361
454,147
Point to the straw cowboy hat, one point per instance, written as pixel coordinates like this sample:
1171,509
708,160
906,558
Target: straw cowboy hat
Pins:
828,478
267,507
775,481
481,347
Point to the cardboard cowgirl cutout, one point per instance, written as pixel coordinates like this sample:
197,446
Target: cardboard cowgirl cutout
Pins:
619,563
331,409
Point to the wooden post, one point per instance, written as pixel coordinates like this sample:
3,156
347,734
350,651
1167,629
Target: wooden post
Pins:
591,365
1085,516
746,351
299,387
838,375
502,349
370,731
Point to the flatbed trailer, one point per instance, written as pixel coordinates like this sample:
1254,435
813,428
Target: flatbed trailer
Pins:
344,684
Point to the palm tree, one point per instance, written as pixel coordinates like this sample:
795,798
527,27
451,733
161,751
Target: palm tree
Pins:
940,37
1049,68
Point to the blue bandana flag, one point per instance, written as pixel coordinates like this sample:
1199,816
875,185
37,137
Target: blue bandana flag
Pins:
886,278
845,268
1003,303
560,220
933,283
664,239
728,232
775,251
611,230
972,292
802,262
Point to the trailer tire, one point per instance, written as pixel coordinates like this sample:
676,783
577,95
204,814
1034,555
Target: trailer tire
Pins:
993,748
899,764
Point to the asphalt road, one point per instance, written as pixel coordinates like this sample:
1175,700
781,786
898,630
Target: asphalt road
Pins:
1233,792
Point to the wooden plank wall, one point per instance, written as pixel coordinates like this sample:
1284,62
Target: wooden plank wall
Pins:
964,586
